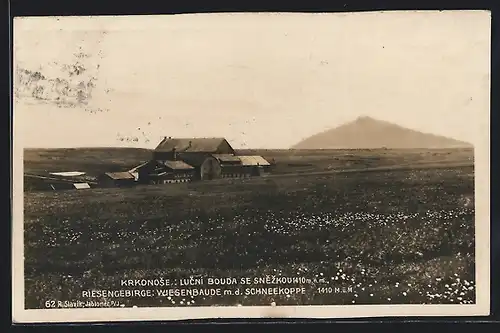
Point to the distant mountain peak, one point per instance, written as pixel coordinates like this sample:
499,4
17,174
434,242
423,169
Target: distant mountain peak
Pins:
366,132
368,119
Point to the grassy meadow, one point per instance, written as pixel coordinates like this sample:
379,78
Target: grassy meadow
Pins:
402,233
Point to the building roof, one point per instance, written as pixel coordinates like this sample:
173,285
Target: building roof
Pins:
80,186
178,165
227,158
253,160
205,145
120,175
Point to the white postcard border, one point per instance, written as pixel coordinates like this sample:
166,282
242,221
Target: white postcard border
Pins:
482,246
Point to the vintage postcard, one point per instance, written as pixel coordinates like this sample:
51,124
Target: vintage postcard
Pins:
251,165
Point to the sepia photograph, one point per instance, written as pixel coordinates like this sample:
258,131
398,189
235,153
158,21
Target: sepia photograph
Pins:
251,165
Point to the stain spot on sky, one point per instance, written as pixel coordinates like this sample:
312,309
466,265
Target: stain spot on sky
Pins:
65,85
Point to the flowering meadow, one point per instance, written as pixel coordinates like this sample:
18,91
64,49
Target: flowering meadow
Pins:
385,237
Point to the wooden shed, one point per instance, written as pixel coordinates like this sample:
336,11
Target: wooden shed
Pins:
257,165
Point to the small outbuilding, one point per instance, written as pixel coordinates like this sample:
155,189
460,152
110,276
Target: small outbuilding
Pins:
256,165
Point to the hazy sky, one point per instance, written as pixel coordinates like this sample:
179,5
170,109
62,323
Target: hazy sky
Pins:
260,80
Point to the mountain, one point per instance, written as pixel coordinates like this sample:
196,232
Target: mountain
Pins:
366,132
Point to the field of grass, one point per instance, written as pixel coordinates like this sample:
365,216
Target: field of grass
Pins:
387,236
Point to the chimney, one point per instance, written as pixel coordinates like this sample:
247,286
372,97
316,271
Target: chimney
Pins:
174,154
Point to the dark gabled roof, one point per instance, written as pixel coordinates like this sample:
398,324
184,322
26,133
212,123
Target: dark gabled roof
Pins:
227,158
178,165
205,145
119,175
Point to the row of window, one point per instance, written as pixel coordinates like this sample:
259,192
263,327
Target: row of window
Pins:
169,181
235,175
